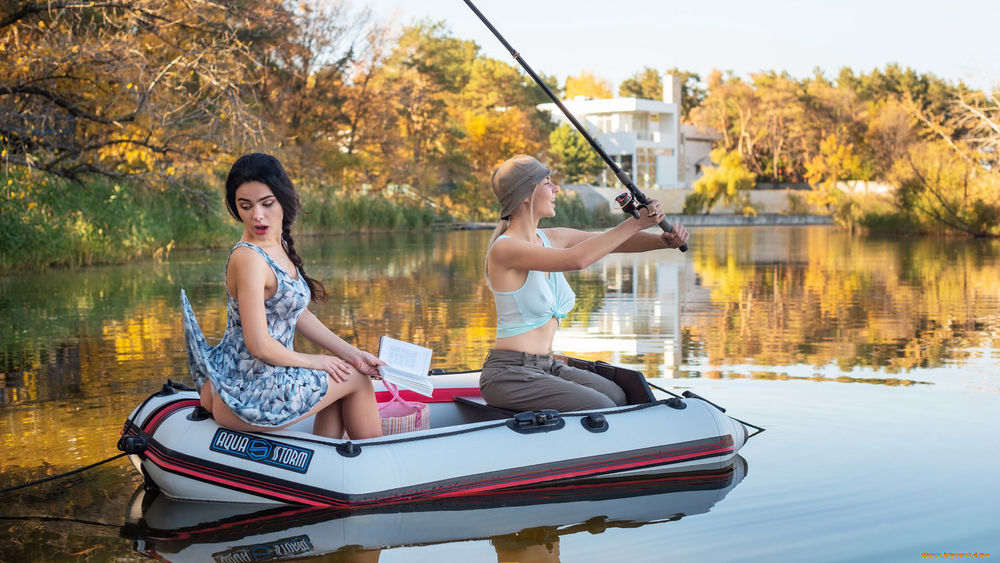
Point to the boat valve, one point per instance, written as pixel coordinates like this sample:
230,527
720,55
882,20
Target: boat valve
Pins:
349,449
595,422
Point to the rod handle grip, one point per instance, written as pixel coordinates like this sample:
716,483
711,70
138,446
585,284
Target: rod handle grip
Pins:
668,228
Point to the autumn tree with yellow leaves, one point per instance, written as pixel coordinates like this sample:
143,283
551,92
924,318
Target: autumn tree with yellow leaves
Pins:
122,88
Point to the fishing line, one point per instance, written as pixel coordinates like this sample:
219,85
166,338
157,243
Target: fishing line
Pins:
619,173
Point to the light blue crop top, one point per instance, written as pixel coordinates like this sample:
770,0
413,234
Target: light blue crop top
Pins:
534,303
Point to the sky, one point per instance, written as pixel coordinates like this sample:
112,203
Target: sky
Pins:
952,39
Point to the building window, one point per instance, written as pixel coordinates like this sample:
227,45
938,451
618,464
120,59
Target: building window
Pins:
624,161
641,125
645,167
601,121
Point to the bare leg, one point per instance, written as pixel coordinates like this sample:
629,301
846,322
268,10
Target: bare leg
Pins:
360,411
351,405
329,421
206,395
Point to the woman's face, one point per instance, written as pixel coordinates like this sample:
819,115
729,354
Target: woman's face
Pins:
543,199
260,212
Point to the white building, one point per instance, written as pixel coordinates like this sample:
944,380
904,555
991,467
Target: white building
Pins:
642,136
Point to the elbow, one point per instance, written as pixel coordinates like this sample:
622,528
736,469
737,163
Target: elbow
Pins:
256,349
581,262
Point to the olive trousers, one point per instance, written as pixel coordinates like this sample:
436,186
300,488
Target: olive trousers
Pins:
524,382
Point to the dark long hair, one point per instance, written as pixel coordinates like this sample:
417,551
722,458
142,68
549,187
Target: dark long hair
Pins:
264,168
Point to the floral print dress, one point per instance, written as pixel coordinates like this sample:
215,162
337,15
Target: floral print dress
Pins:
258,393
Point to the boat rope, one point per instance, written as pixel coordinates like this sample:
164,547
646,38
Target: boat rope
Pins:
667,391
61,475
380,442
690,395
61,519
127,444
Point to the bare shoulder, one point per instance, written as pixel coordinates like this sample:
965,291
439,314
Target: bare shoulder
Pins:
246,265
244,257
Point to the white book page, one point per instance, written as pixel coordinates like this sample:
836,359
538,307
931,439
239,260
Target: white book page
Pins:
405,356
420,383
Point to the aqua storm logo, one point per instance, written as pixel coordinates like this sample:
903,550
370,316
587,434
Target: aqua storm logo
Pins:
261,450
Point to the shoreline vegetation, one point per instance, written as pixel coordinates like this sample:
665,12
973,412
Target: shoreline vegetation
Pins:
106,159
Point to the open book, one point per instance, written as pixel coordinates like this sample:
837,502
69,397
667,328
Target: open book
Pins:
408,365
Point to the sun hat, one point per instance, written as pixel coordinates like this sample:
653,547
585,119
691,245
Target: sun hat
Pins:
515,179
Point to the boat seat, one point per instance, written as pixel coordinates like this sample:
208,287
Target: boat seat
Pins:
479,403
637,391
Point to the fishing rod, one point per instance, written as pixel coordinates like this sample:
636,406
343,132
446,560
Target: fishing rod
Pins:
625,200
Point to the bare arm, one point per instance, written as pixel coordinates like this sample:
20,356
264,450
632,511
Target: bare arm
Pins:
572,249
310,327
643,241
639,242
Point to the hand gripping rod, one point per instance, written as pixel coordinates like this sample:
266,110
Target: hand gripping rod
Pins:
622,176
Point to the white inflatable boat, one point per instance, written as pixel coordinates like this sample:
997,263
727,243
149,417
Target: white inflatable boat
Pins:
172,530
470,449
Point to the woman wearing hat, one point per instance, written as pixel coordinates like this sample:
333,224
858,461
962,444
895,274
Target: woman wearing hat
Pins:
524,270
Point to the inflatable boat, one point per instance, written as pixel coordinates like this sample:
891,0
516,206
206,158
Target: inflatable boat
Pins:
470,448
166,529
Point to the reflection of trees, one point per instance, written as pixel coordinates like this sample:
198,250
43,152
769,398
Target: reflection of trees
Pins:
80,349
818,297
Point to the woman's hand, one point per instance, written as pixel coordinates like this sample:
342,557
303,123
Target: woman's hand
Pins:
338,369
651,215
675,238
367,363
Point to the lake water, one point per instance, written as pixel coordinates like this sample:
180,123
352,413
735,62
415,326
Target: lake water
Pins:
872,362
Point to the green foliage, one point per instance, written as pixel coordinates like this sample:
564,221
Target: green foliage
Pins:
941,186
49,221
573,156
647,83
728,181
572,212
327,211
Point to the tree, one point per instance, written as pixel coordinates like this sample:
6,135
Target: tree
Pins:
304,81
421,78
589,85
692,93
120,88
835,163
573,156
728,181
953,181
647,83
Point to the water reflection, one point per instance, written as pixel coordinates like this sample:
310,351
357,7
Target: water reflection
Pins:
521,524
80,348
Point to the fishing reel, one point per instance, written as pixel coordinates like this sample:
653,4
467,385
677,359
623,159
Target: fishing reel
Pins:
627,203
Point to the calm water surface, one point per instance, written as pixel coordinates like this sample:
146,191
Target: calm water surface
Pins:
873,363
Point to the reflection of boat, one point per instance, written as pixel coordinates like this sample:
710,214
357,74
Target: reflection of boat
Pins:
470,448
174,530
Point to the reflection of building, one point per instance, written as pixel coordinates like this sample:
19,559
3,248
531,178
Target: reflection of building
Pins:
644,137
640,314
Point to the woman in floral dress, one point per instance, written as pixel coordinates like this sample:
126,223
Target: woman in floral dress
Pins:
253,380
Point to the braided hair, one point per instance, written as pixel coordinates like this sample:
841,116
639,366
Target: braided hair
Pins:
266,169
